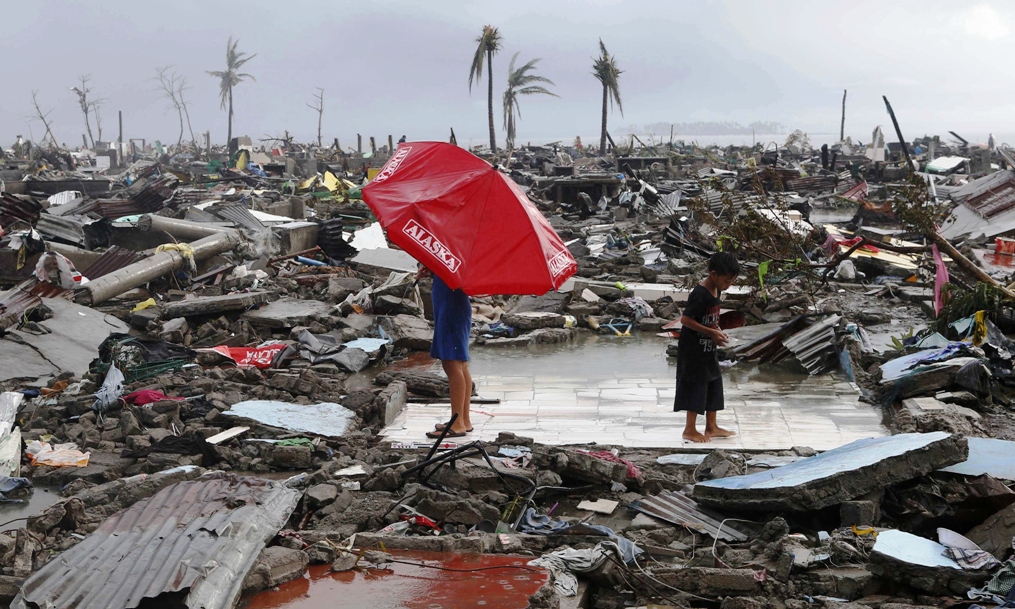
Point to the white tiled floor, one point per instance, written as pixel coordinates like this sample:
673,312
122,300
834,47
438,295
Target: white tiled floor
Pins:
620,392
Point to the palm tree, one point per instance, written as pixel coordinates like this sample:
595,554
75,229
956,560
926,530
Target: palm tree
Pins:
605,70
488,44
230,77
520,82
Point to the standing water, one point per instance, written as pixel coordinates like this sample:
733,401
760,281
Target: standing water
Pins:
437,580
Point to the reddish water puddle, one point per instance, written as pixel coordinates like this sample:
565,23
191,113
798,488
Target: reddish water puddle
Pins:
994,261
505,583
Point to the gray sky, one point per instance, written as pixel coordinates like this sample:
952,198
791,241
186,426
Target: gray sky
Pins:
400,67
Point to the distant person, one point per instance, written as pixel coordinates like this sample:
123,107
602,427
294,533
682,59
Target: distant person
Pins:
699,381
452,325
401,140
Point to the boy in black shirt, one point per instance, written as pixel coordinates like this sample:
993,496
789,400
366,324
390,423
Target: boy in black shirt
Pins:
699,384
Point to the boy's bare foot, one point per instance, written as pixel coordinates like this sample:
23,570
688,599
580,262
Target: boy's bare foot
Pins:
694,436
719,432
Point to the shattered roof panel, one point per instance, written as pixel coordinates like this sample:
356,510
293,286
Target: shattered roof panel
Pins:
201,535
113,259
678,509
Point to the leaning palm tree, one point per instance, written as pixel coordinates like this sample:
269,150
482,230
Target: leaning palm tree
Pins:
488,44
605,70
230,77
520,82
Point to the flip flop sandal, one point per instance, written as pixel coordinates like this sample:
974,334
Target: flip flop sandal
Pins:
440,427
451,434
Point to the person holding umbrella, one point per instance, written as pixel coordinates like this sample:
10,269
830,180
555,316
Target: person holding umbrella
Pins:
477,232
452,325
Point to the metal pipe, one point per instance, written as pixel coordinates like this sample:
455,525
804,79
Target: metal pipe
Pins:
151,268
181,229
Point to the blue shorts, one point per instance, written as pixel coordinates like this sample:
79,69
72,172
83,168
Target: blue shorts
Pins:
452,323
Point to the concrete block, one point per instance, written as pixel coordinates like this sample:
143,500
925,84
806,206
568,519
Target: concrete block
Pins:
712,582
296,236
292,457
859,513
393,399
286,313
275,565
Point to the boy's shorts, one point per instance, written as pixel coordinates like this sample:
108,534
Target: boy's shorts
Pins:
699,397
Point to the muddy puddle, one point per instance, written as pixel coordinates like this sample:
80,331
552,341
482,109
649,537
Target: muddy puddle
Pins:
437,580
13,515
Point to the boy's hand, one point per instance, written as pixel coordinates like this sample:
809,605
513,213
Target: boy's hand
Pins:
719,337
423,273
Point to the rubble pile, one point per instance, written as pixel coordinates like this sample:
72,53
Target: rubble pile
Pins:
200,340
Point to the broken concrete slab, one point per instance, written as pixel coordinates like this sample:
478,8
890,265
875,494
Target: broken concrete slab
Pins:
921,564
995,458
385,260
995,534
533,320
408,332
324,419
275,565
287,313
75,333
213,305
711,582
838,475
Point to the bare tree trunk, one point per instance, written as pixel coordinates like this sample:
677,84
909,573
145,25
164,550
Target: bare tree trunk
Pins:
842,126
42,117
602,137
98,120
189,128
489,100
179,112
229,134
88,126
320,116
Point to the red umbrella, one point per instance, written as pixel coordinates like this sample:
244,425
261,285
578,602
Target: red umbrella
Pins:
467,222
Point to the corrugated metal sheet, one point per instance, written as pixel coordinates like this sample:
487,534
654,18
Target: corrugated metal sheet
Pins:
680,510
815,345
16,303
237,214
856,193
114,259
150,199
13,208
995,199
812,183
198,537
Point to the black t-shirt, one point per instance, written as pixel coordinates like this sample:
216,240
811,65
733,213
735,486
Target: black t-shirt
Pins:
697,358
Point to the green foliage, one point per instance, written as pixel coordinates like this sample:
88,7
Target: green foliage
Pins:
899,341
914,206
959,304
521,82
762,271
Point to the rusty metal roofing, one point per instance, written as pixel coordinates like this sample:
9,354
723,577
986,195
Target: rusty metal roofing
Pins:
150,199
857,192
680,510
14,305
197,539
811,183
13,208
991,196
114,259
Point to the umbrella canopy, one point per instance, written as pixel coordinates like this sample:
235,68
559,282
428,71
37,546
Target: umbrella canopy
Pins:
467,222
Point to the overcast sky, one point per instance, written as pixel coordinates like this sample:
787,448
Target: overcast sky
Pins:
401,67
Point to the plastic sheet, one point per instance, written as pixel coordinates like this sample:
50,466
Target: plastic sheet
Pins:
58,455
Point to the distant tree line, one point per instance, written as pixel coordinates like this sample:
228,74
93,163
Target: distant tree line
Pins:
715,128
